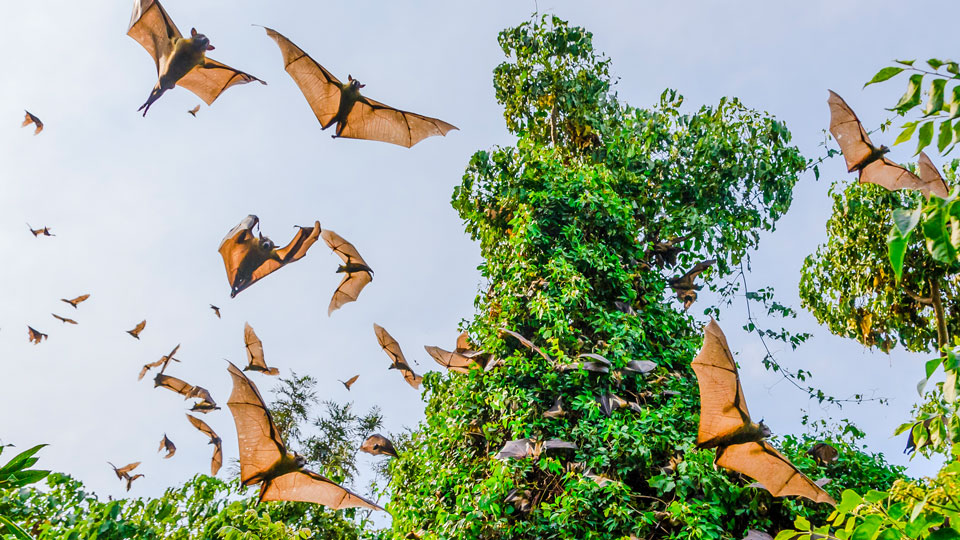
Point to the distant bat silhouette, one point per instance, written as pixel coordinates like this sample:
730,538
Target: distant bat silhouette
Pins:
137,329
76,300
356,273
824,453
216,310
217,460
861,155
163,361
356,116
248,258
684,286
31,119
349,382
193,112
180,61
255,361
63,319
377,445
264,458
725,424
123,473
130,480
35,335
167,444
392,348
45,231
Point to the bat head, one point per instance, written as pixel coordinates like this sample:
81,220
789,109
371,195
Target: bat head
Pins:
201,41
764,430
300,460
355,84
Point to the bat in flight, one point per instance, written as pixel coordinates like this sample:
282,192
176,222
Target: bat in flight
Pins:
349,382
76,300
392,348
217,460
725,424
137,329
162,362
255,361
63,319
45,231
123,473
265,460
179,60
356,116
248,258
356,273
35,335
173,384
167,445
216,310
206,403
31,119
685,288
378,445
861,155
193,112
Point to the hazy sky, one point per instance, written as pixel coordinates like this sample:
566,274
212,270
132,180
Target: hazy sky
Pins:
139,205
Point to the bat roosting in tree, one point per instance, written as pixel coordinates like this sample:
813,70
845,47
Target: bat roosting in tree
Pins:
264,458
217,460
167,444
377,445
255,361
137,329
45,231
163,361
76,300
684,286
35,335
356,116
392,348
31,119
725,424
356,273
180,61
248,258
861,155
63,319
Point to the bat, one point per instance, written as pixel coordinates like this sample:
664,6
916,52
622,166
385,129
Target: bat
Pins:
378,445
349,382
824,453
521,500
356,116
596,364
264,459
167,444
137,329
180,61
255,361
174,384
124,472
206,403
526,343
35,336
31,119
356,273
217,460
725,424
76,300
861,155
63,319
684,286
130,480
624,307
216,310
193,112
392,348
521,448
37,232
247,259
163,361
753,534
555,411
931,178
452,360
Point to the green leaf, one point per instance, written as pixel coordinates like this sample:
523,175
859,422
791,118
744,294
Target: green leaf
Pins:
946,135
935,63
907,132
905,62
904,222
17,532
925,136
910,98
868,528
935,101
20,460
954,104
953,68
802,523
849,501
883,75
874,496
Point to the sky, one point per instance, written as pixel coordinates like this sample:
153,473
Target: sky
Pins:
139,205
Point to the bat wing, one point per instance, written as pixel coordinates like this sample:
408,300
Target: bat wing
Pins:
318,85
526,343
307,486
259,441
254,347
349,289
392,348
453,361
342,248
152,28
374,121
203,394
931,180
763,463
167,444
350,381
217,460
889,175
849,133
377,444
127,468
292,252
172,383
212,78
148,367
723,409
63,319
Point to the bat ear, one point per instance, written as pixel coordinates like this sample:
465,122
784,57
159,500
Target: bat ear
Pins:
350,78
193,32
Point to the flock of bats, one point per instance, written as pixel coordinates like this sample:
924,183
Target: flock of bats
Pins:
725,422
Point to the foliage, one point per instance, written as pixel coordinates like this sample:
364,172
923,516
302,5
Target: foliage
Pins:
14,475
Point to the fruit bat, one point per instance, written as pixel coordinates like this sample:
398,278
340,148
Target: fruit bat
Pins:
63,319
451,360
37,232
753,534
35,335
861,155
216,310
665,253
76,300
521,500
167,444
824,453
172,383
206,403
163,361
356,116
217,460
180,61
356,273
247,259
255,361
137,329
130,480
31,119
378,445
555,411
684,286
193,112
349,382
596,364
725,424
392,348
264,458
124,472
521,448
624,307
526,343
931,178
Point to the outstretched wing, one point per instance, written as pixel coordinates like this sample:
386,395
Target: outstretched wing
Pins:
292,252
392,348
887,174
217,460
723,409
172,383
372,120
931,180
254,347
318,85
152,28
451,360
763,463
259,441
849,133
342,248
348,290
212,78
308,486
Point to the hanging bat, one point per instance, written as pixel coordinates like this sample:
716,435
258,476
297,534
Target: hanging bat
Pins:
206,403
521,500
35,336
665,253
556,411
167,444
217,443
31,119
180,61
130,480
356,116
624,307
63,319
216,310
392,348
264,458
349,382
193,112
596,364
137,329
356,273
725,424
255,361
247,259
378,445
124,472
526,343
172,383
37,232
163,361
521,448
684,286
861,155
823,453
76,300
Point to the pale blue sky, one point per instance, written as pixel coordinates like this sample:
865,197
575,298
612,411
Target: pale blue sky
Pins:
139,205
